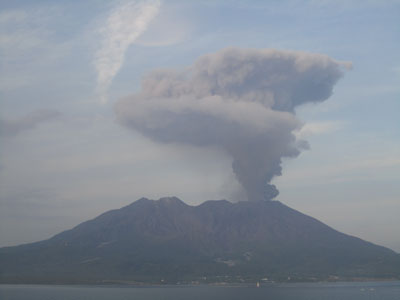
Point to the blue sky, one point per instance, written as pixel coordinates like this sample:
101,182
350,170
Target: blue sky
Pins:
64,159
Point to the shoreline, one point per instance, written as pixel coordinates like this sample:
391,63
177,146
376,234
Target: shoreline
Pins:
215,284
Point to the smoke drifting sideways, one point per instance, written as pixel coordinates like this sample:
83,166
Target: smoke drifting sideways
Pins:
241,100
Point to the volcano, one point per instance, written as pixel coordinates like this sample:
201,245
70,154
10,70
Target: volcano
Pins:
168,241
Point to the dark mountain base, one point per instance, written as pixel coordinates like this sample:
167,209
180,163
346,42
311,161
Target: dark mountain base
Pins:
167,241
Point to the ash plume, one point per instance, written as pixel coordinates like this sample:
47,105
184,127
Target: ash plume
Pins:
241,100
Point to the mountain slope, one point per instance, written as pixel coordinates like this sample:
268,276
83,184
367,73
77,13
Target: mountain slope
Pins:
150,241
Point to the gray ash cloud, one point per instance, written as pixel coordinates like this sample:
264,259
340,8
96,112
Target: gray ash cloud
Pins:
241,100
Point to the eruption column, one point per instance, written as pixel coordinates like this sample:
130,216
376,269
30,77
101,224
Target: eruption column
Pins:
241,100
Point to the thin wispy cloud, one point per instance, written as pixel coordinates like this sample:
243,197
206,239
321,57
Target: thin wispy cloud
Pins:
124,25
15,126
317,128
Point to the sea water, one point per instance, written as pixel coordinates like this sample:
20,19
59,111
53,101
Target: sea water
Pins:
301,291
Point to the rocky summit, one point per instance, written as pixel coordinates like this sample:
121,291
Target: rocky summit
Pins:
168,241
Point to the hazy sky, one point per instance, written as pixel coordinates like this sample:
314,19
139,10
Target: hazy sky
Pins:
64,65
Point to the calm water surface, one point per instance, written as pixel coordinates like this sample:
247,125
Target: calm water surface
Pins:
314,291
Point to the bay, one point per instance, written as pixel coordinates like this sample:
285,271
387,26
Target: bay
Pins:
299,291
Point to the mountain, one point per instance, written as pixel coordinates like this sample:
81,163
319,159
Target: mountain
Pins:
169,241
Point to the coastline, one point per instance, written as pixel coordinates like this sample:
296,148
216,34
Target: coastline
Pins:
115,283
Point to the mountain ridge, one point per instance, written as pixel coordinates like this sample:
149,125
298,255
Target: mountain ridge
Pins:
169,240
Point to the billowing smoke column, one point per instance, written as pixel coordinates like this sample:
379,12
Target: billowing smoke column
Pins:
241,100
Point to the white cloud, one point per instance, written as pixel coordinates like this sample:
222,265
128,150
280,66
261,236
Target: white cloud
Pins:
171,27
124,25
318,128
